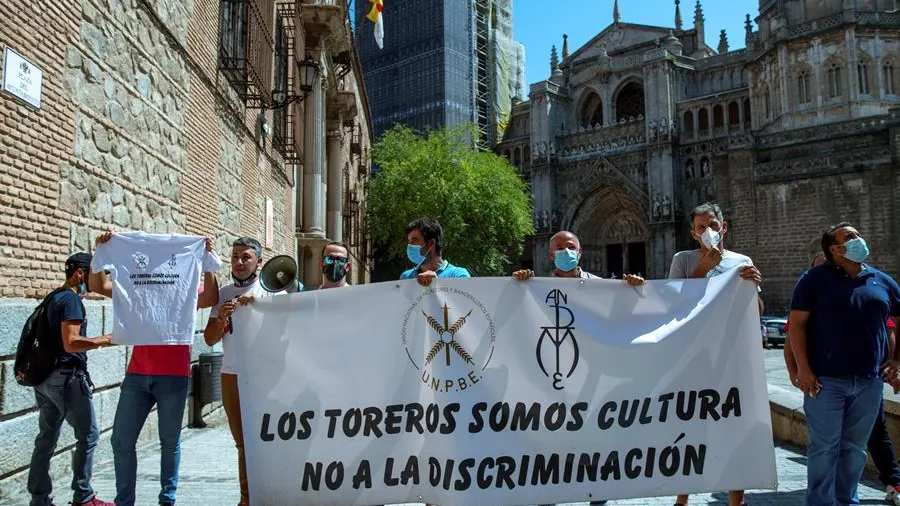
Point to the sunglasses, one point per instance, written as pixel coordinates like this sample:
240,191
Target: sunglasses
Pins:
334,260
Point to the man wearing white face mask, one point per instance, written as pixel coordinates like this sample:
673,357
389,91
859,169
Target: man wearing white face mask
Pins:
708,225
839,336
565,252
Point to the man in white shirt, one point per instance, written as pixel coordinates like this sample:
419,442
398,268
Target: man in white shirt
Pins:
708,226
246,259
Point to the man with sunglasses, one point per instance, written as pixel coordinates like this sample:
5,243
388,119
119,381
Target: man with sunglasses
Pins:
335,265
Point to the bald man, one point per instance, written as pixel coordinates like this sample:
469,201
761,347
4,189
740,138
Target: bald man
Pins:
565,252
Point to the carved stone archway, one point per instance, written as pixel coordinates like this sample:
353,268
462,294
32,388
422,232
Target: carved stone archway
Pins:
612,226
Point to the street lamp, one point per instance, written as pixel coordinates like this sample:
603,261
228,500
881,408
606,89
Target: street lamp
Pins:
308,73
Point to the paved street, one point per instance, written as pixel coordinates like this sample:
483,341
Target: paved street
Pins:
209,476
209,469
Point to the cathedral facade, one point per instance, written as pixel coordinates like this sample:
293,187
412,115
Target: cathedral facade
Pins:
790,134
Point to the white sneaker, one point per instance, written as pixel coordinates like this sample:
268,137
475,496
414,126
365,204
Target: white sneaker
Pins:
892,495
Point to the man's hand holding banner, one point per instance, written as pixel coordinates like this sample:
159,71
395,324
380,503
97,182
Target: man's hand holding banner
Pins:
494,391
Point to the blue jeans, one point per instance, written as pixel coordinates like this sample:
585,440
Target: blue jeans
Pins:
139,393
839,420
64,395
881,448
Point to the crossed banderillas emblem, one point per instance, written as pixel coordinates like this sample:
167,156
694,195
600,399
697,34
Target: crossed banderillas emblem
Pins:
447,337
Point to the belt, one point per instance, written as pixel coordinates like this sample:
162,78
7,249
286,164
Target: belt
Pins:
71,370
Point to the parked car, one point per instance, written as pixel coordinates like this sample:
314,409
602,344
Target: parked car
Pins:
775,330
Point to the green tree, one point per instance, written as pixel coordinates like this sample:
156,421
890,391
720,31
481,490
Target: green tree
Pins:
480,200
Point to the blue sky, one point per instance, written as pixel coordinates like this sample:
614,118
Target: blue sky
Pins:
538,24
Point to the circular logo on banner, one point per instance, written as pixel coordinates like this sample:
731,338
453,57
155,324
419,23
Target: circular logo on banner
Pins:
449,337
141,260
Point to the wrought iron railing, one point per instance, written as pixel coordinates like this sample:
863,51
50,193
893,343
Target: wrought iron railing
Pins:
283,138
246,47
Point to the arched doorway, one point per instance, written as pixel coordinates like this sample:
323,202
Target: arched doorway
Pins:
591,111
630,101
611,225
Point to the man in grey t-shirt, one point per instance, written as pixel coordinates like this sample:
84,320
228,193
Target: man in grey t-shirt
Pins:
708,225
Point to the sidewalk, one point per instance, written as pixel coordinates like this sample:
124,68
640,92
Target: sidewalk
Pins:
209,476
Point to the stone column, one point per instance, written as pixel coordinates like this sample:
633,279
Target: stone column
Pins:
313,164
335,205
312,272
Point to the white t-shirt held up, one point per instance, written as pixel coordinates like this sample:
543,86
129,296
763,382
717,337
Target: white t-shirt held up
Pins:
156,281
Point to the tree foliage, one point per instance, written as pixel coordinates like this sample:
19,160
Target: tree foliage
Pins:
479,198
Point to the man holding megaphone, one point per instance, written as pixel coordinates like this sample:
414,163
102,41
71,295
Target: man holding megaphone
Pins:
246,259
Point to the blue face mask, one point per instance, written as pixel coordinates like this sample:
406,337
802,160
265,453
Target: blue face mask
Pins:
857,250
414,254
83,287
565,259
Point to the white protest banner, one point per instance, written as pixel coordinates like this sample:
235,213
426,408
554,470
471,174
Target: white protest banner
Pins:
493,391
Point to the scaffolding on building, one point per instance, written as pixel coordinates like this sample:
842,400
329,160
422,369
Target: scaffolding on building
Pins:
482,81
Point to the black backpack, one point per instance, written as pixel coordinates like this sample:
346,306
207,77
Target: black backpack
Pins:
39,347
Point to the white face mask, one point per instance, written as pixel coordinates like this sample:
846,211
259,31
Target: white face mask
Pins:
710,238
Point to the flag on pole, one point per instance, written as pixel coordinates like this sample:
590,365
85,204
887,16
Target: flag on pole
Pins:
375,17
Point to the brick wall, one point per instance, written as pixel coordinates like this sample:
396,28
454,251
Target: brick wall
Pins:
137,131
778,220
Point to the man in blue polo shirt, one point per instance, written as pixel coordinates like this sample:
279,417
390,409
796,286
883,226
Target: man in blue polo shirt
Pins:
424,251
840,340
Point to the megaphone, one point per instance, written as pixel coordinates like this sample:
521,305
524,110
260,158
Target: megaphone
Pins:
280,274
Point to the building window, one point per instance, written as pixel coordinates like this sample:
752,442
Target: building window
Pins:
889,78
718,116
835,86
281,87
862,73
803,94
630,102
767,104
688,122
246,47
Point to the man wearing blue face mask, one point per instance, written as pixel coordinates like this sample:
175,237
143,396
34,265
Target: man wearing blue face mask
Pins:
839,336
565,252
425,252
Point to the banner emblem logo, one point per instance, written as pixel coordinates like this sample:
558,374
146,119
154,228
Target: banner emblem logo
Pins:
141,260
448,336
562,330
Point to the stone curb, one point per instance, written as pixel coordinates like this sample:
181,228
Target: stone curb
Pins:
789,420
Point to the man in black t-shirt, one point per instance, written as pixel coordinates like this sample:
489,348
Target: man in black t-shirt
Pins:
66,394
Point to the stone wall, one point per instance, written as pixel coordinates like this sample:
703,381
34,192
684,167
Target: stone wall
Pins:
137,131
778,212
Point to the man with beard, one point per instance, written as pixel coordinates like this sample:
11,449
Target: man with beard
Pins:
840,340
246,258
66,394
335,265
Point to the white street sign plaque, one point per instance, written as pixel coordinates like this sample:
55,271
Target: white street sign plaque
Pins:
21,78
